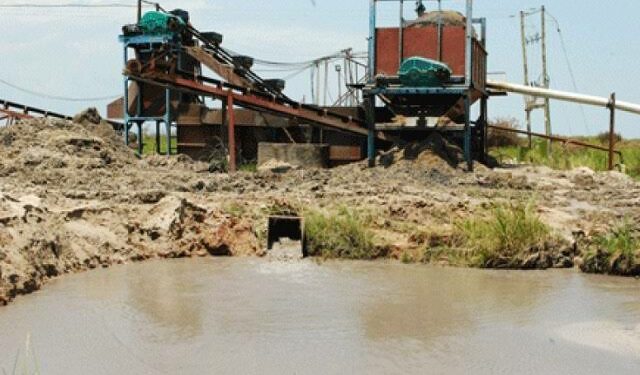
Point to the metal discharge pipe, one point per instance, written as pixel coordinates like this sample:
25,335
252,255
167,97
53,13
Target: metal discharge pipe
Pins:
564,96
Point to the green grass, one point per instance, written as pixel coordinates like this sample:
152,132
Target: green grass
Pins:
342,233
616,252
570,156
149,147
502,240
248,167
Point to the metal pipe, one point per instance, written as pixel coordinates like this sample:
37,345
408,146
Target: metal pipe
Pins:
439,30
564,96
401,42
468,66
372,40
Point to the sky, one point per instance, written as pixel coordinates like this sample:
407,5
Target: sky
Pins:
74,52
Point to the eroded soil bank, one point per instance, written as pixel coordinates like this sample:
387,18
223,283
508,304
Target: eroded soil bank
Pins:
72,197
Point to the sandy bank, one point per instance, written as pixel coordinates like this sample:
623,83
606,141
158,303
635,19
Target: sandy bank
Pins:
72,197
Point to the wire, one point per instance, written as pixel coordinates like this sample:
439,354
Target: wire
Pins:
54,97
570,68
67,5
299,64
295,74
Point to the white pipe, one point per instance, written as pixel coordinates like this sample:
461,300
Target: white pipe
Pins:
563,95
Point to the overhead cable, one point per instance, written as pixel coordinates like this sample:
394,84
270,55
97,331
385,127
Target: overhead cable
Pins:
55,97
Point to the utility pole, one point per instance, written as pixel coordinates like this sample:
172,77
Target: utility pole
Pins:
527,99
532,103
326,81
139,10
338,70
545,79
317,98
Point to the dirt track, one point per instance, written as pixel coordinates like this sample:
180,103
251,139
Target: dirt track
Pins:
72,197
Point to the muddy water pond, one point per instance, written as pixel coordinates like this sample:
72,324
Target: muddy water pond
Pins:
252,316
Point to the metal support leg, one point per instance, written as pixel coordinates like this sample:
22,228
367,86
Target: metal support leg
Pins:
484,120
158,144
224,126
232,134
140,138
167,120
126,132
468,152
370,118
612,130
125,100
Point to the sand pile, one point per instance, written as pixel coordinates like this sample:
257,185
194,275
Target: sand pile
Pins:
434,153
47,151
87,156
447,17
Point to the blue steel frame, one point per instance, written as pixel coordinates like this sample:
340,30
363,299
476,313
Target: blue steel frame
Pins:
148,43
463,90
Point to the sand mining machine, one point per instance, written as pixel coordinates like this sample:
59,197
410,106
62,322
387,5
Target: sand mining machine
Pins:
423,76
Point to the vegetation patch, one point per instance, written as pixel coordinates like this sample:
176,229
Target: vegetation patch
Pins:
616,252
340,234
513,236
503,138
570,156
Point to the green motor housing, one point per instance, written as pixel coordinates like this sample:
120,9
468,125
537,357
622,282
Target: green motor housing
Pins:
161,23
423,72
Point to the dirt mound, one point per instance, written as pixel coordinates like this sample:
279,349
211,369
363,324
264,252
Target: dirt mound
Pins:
88,156
434,153
39,241
45,150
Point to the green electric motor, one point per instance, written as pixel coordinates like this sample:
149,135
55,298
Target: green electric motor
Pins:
423,72
161,23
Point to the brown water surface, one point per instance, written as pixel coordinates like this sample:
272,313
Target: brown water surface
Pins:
253,316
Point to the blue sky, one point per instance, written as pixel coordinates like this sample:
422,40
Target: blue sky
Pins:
75,53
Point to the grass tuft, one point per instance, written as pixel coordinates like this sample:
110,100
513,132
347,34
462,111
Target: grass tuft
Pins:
502,239
616,252
339,234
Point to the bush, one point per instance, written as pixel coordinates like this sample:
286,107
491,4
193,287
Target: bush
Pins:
342,234
500,138
616,252
604,137
505,238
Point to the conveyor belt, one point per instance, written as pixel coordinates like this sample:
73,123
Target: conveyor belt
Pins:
261,103
224,57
